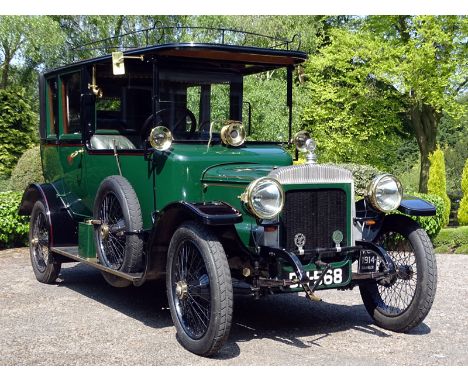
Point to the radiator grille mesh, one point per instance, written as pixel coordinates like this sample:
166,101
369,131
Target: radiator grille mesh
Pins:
316,214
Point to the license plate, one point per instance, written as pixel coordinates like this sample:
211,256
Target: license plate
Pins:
332,277
367,262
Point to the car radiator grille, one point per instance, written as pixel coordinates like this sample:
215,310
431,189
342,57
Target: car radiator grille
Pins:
316,214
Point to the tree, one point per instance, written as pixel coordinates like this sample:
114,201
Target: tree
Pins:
353,114
29,42
418,65
430,70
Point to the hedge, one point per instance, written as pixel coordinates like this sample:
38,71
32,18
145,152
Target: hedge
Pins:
431,224
17,128
452,240
13,228
463,208
28,170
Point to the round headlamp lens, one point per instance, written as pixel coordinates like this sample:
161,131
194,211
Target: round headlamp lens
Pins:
160,138
265,198
385,192
301,141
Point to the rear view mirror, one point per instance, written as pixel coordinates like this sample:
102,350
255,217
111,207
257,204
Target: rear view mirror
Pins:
118,66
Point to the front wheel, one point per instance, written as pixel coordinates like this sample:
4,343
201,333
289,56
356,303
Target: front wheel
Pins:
199,289
403,303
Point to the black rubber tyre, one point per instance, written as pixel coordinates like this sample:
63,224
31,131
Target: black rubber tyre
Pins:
118,209
199,289
46,268
404,303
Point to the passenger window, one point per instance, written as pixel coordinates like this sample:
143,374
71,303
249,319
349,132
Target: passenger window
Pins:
71,95
52,107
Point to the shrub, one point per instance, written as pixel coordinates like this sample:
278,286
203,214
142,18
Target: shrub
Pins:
463,208
13,228
28,170
431,224
452,240
17,132
437,184
4,184
363,174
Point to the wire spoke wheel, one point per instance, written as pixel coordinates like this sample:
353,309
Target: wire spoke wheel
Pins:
199,289
402,301
191,290
398,295
40,241
112,241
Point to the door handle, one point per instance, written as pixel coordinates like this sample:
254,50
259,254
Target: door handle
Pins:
73,155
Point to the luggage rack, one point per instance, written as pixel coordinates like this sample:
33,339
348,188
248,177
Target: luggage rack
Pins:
160,35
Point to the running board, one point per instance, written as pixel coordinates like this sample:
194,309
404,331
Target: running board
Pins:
72,253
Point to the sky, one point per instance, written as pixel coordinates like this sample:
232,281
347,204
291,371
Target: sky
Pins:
237,7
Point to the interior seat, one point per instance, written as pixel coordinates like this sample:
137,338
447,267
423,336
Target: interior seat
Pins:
108,139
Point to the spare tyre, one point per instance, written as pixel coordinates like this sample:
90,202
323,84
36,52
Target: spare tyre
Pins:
119,246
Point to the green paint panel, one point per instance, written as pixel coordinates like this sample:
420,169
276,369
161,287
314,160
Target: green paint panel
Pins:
86,246
180,173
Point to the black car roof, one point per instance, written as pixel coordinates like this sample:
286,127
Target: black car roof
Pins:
253,57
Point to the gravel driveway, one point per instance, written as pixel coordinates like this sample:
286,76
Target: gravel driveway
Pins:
82,321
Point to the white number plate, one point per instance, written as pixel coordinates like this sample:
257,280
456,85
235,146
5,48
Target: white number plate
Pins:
367,262
333,276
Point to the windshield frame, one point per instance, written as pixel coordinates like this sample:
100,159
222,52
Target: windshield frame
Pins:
218,71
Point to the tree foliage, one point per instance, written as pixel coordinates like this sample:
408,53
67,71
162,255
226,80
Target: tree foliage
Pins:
17,128
353,114
429,69
418,65
28,43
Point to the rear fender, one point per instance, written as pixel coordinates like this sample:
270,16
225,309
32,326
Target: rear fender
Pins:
63,228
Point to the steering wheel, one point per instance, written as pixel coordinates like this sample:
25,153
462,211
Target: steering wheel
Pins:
147,125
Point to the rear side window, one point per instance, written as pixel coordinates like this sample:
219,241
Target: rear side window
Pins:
52,107
70,100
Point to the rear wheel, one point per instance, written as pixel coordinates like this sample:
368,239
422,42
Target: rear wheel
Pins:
45,267
199,289
405,301
118,245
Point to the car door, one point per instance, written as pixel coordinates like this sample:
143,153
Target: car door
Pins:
70,144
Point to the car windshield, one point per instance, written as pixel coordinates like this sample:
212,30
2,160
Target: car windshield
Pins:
190,103
195,104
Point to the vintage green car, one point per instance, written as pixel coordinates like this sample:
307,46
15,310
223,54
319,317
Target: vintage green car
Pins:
154,170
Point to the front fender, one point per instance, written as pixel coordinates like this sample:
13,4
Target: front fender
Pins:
219,215
410,206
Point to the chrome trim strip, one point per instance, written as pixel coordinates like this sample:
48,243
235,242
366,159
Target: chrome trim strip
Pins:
307,173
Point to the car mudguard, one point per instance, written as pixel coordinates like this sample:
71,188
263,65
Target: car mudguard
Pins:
409,205
219,215
63,228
